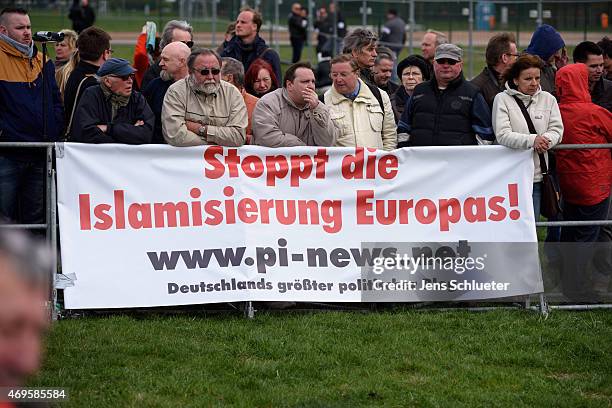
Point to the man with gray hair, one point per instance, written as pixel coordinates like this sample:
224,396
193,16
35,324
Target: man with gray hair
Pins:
202,109
383,70
25,283
431,40
232,71
113,112
361,45
174,30
173,64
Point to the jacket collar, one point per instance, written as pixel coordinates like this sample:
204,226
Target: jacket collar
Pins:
451,85
364,96
523,97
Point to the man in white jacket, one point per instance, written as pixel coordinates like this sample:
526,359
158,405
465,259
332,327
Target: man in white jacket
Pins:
356,112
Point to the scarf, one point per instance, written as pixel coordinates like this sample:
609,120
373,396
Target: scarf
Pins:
26,50
117,101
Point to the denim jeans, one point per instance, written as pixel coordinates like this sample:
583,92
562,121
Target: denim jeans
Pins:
537,199
22,185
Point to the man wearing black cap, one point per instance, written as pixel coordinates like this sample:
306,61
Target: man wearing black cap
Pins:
111,112
447,110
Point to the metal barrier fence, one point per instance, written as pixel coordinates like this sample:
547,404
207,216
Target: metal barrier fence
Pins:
51,227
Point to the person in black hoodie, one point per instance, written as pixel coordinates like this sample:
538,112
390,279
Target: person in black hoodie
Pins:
82,15
111,112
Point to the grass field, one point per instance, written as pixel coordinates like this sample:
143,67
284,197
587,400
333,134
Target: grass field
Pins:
401,359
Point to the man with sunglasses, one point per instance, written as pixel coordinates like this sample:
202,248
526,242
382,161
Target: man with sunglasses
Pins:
447,110
202,109
112,112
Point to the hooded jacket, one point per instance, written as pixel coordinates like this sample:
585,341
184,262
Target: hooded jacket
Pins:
545,42
584,175
21,98
511,128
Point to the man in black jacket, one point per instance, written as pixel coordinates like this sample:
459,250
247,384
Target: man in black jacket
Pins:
297,31
501,54
94,49
447,110
82,15
111,112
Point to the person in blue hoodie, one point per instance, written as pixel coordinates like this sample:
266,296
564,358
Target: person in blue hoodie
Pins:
546,43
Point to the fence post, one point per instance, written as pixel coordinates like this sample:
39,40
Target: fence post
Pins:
411,32
471,39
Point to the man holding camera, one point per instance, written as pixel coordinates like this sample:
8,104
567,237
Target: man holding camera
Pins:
22,171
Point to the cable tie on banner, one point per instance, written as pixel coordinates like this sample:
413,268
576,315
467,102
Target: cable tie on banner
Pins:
59,150
63,281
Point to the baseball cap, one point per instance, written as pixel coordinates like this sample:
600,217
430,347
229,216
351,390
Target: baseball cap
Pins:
450,51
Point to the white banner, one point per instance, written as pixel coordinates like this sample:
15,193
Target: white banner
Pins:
156,225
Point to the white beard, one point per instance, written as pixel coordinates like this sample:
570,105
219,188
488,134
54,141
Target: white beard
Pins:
165,76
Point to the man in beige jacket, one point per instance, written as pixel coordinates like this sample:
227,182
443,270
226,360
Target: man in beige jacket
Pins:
356,112
201,109
293,115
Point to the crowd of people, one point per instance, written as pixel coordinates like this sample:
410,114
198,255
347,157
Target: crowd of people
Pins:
236,95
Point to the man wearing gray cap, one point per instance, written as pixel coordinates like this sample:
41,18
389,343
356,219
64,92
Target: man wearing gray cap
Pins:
447,110
112,112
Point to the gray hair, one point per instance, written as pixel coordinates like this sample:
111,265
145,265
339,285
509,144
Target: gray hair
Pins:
233,67
384,53
30,259
440,37
358,39
201,51
169,28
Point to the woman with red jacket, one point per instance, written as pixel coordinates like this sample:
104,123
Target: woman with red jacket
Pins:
585,177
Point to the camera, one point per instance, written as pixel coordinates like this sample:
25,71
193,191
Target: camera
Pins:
48,36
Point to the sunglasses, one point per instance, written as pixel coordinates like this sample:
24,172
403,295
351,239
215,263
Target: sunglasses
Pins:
125,77
448,61
188,43
206,71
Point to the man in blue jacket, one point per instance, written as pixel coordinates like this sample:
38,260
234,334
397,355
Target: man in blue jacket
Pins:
22,171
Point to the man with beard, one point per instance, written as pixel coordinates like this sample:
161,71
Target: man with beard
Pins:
111,112
173,64
201,109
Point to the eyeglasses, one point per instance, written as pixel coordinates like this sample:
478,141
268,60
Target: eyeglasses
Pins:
188,43
443,61
206,71
513,55
125,77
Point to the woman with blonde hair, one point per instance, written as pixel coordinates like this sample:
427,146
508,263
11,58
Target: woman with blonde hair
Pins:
65,58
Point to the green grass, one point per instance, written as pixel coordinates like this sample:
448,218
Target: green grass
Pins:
429,359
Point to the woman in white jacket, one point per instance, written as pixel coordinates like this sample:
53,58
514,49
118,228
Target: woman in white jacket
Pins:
510,126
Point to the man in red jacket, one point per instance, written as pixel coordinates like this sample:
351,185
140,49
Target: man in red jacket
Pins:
585,175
